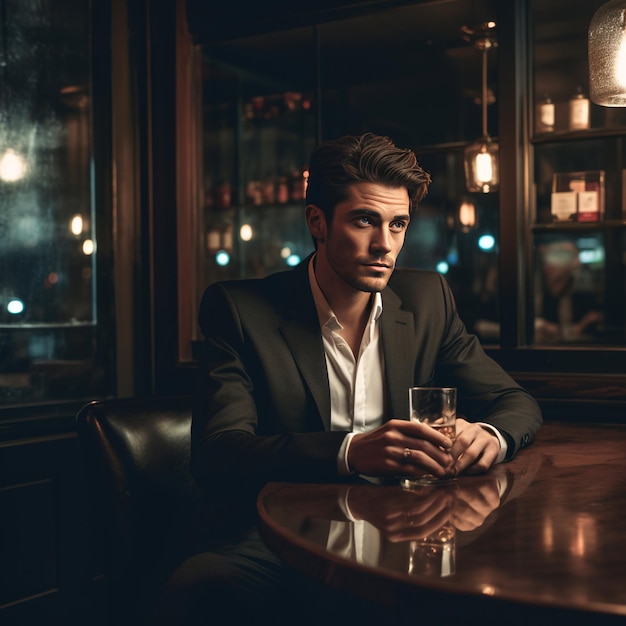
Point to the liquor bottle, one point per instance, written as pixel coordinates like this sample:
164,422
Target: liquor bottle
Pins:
282,190
545,115
578,111
213,240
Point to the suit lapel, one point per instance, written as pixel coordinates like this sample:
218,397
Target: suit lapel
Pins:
398,341
302,334
308,352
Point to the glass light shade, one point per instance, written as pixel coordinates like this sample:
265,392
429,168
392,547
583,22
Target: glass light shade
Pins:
482,171
467,214
607,55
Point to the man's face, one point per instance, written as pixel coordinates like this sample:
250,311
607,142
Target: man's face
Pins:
359,248
560,262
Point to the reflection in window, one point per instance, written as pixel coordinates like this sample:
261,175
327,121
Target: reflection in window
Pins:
569,288
48,249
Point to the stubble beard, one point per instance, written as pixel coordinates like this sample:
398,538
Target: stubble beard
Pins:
370,284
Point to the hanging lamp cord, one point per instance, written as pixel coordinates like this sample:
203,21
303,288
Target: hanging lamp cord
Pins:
484,97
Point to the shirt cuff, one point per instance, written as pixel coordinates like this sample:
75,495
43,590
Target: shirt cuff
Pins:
503,445
342,458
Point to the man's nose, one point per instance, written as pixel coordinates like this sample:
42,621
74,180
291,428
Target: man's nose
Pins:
382,240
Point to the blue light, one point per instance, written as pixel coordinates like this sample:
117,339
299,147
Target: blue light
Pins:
15,306
292,260
222,258
443,267
453,257
591,256
486,242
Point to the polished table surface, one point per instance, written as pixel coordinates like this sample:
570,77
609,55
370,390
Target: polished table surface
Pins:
542,535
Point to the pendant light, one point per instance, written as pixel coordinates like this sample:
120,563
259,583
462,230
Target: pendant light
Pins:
607,55
481,157
467,214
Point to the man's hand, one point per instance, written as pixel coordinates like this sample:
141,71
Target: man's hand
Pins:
475,449
410,449
401,447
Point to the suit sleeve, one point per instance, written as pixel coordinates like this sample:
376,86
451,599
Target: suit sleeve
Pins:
232,442
487,393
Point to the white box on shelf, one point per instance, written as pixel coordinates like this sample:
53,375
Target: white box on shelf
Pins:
563,205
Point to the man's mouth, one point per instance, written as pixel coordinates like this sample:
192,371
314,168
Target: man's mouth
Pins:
378,267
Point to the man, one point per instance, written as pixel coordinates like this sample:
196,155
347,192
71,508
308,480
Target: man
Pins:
563,311
305,376
306,372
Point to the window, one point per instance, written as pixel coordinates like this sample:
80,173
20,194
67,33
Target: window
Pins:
49,348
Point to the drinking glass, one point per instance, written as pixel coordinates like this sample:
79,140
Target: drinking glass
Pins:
435,406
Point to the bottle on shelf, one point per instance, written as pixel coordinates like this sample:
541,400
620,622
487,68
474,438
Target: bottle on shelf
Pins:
226,237
254,193
282,190
578,111
213,239
223,195
545,115
298,185
268,190
219,237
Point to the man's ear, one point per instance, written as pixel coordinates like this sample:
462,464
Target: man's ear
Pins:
316,221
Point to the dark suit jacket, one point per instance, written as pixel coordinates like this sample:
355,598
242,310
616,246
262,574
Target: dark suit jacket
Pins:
262,404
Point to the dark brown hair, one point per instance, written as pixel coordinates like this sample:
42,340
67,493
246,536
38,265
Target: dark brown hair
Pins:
337,164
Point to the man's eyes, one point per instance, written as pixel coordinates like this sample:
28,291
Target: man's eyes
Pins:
397,225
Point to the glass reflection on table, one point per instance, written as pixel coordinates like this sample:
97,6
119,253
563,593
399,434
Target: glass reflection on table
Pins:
434,555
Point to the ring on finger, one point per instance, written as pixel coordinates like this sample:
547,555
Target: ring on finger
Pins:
406,454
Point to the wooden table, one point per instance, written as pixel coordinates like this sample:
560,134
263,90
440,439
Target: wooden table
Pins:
541,538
